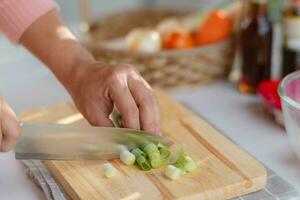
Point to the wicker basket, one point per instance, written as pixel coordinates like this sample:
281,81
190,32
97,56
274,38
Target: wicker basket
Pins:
168,68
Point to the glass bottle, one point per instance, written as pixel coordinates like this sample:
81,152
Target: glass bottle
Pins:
291,38
255,46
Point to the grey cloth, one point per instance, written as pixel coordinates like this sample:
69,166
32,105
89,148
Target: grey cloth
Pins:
276,188
39,173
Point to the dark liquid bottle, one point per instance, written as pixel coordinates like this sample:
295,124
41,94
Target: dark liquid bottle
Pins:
291,40
255,46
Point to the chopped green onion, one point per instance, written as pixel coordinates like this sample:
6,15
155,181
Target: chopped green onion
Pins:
116,118
173,172
153,155
132,140
185,162
141,159
121,147
179,165
143,163
120,122
189,165
109,170
138,152
127,157
164,151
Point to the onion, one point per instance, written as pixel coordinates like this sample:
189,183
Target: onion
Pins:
143,40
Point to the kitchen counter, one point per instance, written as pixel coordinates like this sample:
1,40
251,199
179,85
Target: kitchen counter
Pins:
26,83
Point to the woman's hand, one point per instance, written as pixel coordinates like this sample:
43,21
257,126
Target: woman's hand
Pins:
10,128
97,87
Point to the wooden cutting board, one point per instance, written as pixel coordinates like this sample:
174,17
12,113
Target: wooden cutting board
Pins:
225,171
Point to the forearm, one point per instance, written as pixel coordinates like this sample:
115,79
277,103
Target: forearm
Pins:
53,43
94,87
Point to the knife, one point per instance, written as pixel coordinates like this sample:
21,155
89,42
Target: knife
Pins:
73,142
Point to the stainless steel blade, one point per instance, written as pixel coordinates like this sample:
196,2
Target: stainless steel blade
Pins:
71,142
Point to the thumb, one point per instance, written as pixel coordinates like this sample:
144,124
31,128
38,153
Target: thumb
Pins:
10,127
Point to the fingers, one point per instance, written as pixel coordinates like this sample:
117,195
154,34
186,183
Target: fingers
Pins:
121,96
147,103
101,116
124,88
101,119
10,127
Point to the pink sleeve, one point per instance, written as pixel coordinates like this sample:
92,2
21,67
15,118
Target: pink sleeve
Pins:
17,15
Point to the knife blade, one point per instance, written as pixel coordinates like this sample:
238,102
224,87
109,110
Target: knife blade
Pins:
73,142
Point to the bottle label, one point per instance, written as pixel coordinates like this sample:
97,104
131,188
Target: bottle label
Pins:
291,28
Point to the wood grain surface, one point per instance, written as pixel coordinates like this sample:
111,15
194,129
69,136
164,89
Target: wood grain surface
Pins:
224,171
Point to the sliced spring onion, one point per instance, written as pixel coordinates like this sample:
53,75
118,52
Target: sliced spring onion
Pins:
121,147
164,151
127,157
153,155
179,165
132,140
138,152
119,121
173,172
184,162
143,163
189,165
109,170
116,118
141,159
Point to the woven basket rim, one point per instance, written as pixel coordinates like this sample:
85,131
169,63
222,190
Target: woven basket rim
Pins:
87,40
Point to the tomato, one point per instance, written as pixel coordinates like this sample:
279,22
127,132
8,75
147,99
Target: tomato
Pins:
177,40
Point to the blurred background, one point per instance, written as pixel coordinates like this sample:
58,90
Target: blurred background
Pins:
31,75
223,58
71,10
175,44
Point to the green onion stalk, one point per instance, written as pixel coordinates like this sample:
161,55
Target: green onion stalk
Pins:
141,159
153,155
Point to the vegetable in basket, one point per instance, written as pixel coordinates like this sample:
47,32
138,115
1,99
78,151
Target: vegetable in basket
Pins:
143,40
216,27
176,40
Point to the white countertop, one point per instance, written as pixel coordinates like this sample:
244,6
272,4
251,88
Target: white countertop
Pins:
26,83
